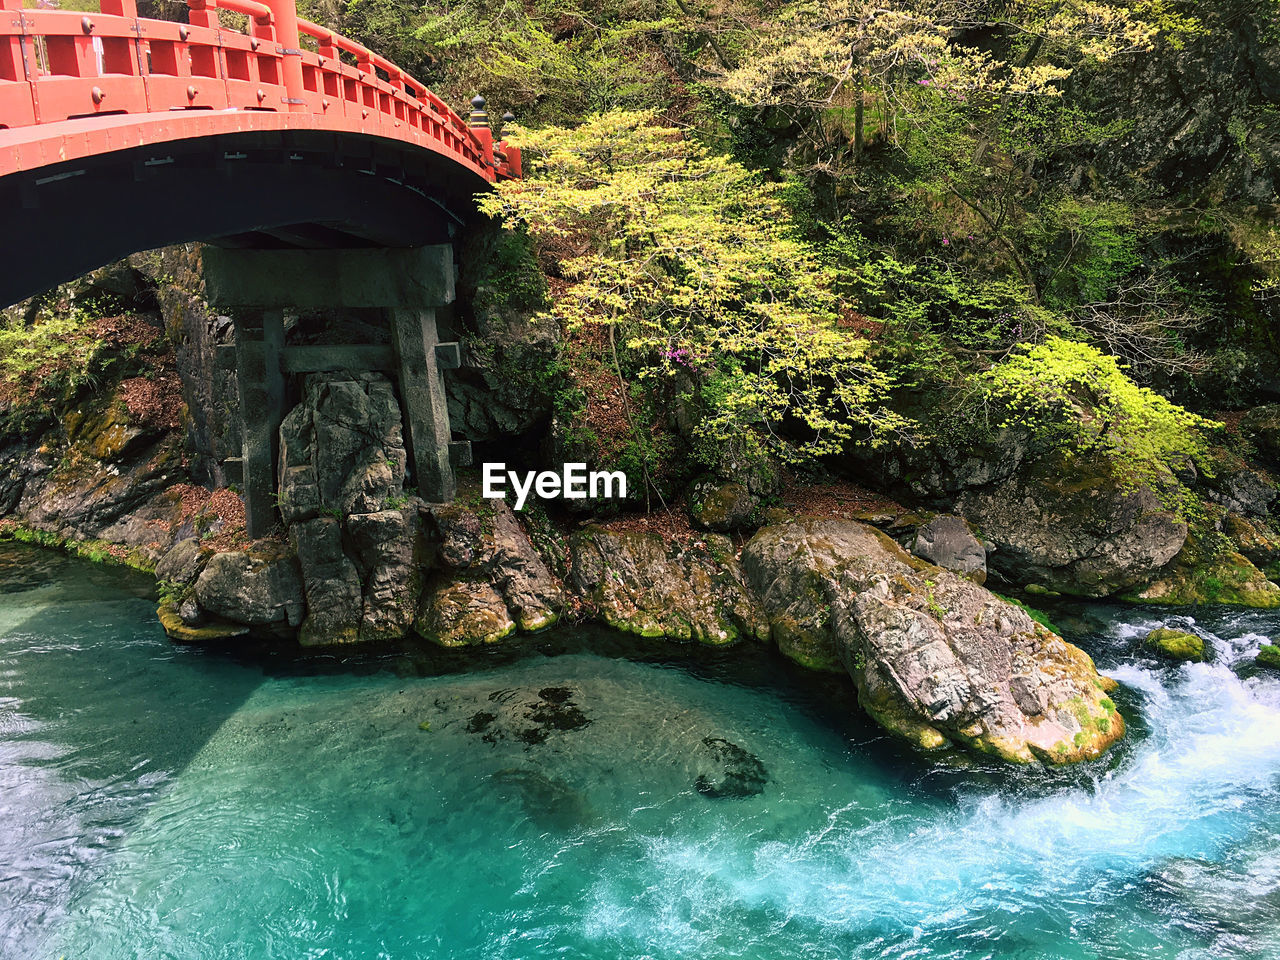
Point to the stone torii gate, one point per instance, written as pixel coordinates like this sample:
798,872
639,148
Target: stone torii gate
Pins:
257,288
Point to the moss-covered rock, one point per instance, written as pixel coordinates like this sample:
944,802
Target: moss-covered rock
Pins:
722,505
1209,571
1176,645
1269,656
211,630
462,612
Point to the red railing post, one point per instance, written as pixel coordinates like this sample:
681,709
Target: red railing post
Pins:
120,8
285,15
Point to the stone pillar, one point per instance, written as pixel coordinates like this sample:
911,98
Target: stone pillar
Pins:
259,342
426,408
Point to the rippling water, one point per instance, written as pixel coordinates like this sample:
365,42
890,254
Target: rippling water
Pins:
162,802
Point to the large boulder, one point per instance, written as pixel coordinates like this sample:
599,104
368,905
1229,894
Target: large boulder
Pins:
947,541
937,659
644,584
257,587
1089,536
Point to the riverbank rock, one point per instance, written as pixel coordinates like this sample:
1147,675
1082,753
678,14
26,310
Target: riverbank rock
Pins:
491,579
948,542
1081,535
722,505
641,583
937,659
257,587
1256,540
1176,645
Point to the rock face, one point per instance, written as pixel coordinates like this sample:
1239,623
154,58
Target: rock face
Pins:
948,542
1089,538
1244,491
640,583
936,658
258,587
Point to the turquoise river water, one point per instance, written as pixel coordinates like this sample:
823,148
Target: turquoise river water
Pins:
581,801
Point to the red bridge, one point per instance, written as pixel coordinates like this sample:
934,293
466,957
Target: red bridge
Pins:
325,178
120,134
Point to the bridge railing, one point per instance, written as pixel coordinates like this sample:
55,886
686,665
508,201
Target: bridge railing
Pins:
60,65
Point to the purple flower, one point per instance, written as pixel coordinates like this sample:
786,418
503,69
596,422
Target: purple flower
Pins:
946,242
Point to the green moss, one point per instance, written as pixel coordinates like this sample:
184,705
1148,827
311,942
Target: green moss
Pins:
95,551
1176,645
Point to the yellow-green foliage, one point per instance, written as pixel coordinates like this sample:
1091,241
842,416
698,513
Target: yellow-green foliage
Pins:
692,259
1083,396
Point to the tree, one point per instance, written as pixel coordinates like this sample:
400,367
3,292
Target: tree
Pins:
689,259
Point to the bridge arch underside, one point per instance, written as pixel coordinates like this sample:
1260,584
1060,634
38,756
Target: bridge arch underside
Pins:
292,189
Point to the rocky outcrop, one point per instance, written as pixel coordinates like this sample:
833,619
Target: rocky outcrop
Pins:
644,584
357,533
936,658
948,542
1243,491
1084,535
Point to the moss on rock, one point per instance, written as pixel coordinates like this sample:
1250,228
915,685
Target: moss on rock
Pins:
1176,645
1269,656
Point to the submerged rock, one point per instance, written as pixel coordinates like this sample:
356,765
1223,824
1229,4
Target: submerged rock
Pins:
1083,535
644,584
937,659
177,628
736,773
1176,645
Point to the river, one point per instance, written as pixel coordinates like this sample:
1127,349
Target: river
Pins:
582,797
